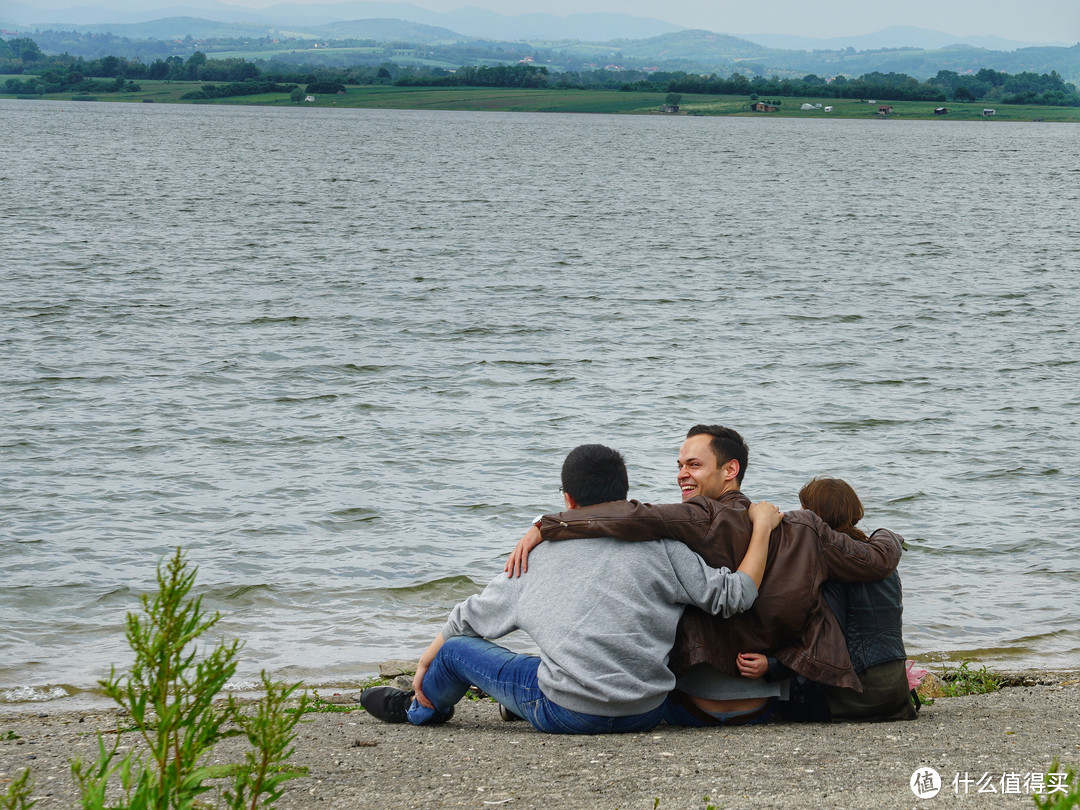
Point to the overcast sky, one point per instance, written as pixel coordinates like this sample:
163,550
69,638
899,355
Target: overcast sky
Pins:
1029,20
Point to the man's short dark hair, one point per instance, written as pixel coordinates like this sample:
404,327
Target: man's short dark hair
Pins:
727,444
593,473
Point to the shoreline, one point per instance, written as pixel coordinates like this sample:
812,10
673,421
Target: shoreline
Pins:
693,105
89,700
477,760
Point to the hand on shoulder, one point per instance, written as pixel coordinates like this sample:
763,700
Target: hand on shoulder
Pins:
765,512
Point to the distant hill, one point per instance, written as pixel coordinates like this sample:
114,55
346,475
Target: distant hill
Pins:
170,28
385,31
477,22
922,64
467,22
695,45
707,52
584,27
575,42
25,16
897,36
202,29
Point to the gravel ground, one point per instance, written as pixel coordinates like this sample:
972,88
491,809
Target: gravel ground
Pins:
479,761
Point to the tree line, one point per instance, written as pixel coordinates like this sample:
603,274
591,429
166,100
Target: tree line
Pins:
65,73
987,85
483,76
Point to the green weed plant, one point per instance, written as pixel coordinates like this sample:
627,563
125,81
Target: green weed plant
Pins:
270,731
17,796
318,704
1068,796
170,694
966,681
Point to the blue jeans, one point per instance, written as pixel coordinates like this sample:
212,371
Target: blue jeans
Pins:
510,678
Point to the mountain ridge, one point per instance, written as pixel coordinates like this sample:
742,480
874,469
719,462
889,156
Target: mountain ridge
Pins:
689,50
470,21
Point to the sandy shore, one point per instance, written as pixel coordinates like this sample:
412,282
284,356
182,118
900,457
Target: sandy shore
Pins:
479,761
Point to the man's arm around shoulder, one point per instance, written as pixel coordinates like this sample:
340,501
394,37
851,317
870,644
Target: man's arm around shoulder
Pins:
632,520
848,559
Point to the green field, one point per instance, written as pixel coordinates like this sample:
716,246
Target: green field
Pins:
583,101
494,99
902,110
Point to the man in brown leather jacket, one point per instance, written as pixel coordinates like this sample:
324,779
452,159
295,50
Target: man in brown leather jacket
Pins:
790,619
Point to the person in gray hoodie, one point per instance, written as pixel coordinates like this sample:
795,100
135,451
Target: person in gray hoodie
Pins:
602,613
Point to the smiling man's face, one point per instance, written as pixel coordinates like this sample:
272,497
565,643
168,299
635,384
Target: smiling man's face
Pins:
700,472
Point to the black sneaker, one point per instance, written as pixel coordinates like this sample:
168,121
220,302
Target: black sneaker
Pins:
387,703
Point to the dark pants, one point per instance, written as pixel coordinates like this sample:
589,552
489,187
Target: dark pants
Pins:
885,696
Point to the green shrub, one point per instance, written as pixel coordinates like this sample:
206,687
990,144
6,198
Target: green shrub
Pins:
1059,799
964,681
170,694
17,796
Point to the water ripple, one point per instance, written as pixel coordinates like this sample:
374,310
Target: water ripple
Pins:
345,388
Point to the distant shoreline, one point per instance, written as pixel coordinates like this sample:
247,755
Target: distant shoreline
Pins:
586,101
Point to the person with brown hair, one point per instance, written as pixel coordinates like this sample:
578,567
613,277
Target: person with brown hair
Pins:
871,617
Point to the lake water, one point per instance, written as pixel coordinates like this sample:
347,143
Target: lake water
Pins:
339,355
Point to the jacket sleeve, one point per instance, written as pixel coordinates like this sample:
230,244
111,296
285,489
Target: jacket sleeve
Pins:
687,522
777,671
851,560
717,590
